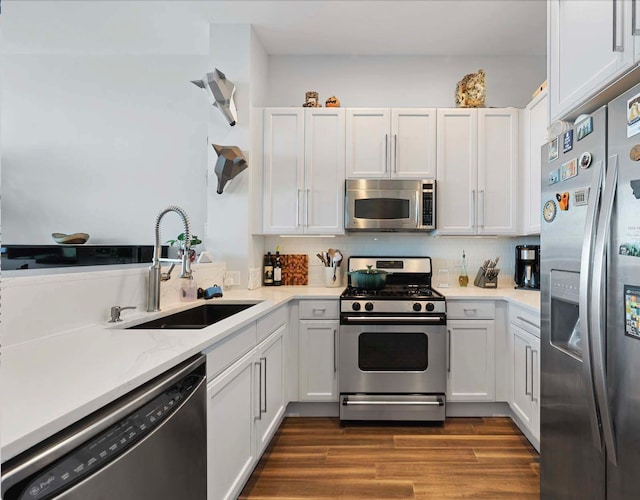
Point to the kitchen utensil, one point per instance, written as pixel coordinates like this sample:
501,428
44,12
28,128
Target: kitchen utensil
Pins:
321,258
369,278
337,257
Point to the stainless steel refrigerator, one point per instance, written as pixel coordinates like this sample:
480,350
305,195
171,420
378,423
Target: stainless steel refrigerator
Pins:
590,307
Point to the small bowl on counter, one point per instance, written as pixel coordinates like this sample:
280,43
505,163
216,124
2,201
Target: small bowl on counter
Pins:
70,239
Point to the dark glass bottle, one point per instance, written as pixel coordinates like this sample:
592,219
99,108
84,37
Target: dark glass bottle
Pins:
268,270
277,270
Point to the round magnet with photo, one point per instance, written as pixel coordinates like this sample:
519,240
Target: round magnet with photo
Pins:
585,160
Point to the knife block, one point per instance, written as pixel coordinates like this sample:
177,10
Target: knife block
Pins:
482,281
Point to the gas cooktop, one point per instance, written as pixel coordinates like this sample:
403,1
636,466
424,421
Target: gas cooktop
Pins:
393,292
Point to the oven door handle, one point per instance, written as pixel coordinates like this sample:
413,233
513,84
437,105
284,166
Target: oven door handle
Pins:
397,319
439,402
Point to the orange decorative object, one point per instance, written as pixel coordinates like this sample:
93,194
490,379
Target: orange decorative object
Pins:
563,200
332,102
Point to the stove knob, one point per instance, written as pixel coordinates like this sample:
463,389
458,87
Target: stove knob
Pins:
417,306
355,306
368,306
430,307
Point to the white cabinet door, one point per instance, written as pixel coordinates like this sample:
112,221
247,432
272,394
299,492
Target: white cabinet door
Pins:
368,139
318,362
471,372
283,170
231,453
497,197
413,134
525,368
590,43
535,123
324,170
271,401
457,170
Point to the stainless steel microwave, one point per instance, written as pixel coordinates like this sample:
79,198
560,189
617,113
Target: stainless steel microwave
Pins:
390,205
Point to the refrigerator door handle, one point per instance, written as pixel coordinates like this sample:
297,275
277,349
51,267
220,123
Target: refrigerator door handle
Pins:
585,282
598,327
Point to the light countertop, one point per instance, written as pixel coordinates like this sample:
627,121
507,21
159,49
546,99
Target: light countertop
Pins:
50,383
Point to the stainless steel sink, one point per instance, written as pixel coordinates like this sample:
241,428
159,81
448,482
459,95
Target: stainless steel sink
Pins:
194,319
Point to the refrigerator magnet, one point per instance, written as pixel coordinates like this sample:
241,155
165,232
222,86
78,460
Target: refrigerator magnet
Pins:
633,116
567,141
634,154
632,312
549,211
635,187
563,200
554,177
569,169
585,160
553,150
584,128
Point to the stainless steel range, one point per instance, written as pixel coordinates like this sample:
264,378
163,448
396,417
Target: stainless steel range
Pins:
393,344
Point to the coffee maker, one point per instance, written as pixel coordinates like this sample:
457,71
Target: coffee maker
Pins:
527,273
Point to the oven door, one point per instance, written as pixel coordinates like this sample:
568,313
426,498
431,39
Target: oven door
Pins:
393,359
383,210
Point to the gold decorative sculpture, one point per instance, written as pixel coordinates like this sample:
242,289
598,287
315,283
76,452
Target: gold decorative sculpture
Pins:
311,100
471,91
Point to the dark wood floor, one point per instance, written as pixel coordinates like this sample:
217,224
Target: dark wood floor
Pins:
478,458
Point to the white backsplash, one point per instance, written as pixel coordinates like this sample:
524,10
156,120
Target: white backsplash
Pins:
445,252
34,307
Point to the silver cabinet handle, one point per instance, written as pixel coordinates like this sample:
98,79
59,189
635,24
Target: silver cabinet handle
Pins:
449,351
583,303
335,342
634,24
306,215
386,152
470,310
598,326
259,365
319,310
298,208
616,47
348,402
481,224
533,378
395,153
527,348
473,206
265,384
527,321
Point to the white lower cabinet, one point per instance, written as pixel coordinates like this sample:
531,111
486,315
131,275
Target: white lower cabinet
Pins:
471,366
471,332
231,444
524,396
318,360
271,402
245,404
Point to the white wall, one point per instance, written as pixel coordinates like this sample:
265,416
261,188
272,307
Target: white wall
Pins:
402,81
100,132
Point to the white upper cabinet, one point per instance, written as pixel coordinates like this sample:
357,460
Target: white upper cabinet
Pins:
590,44
477,171
535,120
283,170
303,171
324,170
391,143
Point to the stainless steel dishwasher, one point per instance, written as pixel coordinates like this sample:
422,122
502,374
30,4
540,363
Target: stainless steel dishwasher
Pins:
149,444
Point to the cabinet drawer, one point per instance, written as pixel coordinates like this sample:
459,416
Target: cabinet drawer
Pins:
319,309
526,319
468,309
269,324
224,353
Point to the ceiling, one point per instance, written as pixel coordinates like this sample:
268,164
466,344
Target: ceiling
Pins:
350,27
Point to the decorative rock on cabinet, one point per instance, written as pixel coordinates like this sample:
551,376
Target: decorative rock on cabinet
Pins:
477,171
397,143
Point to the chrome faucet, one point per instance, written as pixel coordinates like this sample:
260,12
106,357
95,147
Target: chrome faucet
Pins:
156,276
